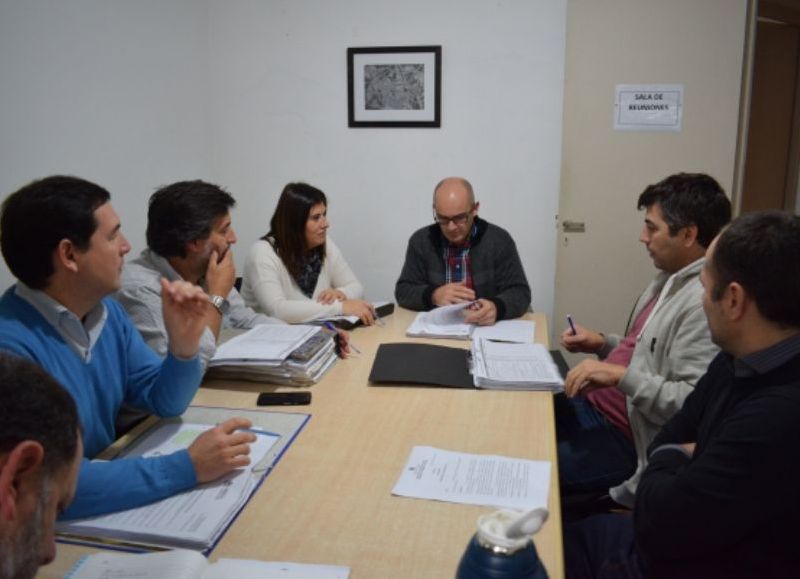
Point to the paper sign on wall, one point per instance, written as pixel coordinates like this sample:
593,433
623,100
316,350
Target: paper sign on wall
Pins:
648,107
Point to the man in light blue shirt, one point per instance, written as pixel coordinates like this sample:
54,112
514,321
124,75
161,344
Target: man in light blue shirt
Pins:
61,238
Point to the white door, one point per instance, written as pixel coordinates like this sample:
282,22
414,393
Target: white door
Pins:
601,271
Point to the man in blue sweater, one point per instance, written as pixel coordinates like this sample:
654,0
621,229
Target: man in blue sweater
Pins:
61,238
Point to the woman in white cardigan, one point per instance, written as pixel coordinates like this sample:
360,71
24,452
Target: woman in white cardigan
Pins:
295,273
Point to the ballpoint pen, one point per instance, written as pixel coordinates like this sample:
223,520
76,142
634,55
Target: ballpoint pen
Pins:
571,325
338,338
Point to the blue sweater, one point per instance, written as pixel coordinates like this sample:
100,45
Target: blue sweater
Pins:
121,368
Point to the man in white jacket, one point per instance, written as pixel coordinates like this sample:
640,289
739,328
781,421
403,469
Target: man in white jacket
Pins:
614,406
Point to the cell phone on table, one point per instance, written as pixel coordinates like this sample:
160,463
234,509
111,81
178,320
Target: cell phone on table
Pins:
284,399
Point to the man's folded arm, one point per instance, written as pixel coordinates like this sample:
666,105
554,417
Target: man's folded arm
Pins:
690,507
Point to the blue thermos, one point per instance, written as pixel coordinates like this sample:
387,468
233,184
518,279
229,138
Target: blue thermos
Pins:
502,548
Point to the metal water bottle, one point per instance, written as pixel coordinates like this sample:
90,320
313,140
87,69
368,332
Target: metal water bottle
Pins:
502,547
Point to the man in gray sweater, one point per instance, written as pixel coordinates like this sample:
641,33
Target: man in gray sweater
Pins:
615,405
462,258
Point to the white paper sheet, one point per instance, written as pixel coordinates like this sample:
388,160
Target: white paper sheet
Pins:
183,564
474,479
265,342
517,331
441,322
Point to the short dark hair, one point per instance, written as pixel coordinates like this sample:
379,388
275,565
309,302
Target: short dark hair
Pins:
36,407
288,224
690,199
760,251
39,215
184,212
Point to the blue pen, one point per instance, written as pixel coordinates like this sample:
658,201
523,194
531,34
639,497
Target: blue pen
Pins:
256,431
571,325
259,431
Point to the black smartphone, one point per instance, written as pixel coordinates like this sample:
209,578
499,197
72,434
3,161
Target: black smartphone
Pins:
284,399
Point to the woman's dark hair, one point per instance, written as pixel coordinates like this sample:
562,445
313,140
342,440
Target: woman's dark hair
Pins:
288,225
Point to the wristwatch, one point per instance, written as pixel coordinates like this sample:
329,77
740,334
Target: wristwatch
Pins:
220,303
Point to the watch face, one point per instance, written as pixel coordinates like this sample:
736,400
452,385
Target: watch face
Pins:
221,304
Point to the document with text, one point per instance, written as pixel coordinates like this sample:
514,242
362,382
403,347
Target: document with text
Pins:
181,564
474,479
194,518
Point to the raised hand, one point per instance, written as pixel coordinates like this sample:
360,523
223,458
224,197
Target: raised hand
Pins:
184,305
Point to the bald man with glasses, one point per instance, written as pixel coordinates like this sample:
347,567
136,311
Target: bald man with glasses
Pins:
462,258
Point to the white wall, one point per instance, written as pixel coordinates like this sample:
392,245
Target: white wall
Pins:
280,114
108,90
252,94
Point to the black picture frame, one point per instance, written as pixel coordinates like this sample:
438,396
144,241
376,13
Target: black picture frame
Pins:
394,86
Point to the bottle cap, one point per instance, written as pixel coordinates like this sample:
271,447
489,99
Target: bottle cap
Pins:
509,530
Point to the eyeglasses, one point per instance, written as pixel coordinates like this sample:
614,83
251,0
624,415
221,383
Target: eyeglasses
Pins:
458,220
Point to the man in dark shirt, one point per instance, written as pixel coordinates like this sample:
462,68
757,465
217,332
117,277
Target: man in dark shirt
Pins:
462,258
719,497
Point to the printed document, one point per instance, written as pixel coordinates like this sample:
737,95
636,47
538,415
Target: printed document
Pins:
516,331
474,479
441,322
182,564
263,343
448,322
193,518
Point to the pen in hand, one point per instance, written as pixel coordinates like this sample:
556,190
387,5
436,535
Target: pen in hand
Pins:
338,338
571,325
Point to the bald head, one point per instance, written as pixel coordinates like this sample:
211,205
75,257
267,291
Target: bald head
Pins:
454,208
455,188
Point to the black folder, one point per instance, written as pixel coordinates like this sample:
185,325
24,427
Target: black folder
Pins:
561,363
420,365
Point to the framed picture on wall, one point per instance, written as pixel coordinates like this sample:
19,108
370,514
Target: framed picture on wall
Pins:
394,86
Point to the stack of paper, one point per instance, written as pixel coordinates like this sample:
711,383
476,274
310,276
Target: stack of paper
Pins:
502,366
280,354
442,322
194,519
448,322
265,344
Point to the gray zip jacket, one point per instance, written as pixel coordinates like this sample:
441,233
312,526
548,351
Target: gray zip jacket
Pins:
672,352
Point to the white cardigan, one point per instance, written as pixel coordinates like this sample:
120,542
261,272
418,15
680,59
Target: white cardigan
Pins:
268,287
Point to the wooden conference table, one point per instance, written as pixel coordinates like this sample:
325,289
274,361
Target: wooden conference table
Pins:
329,498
